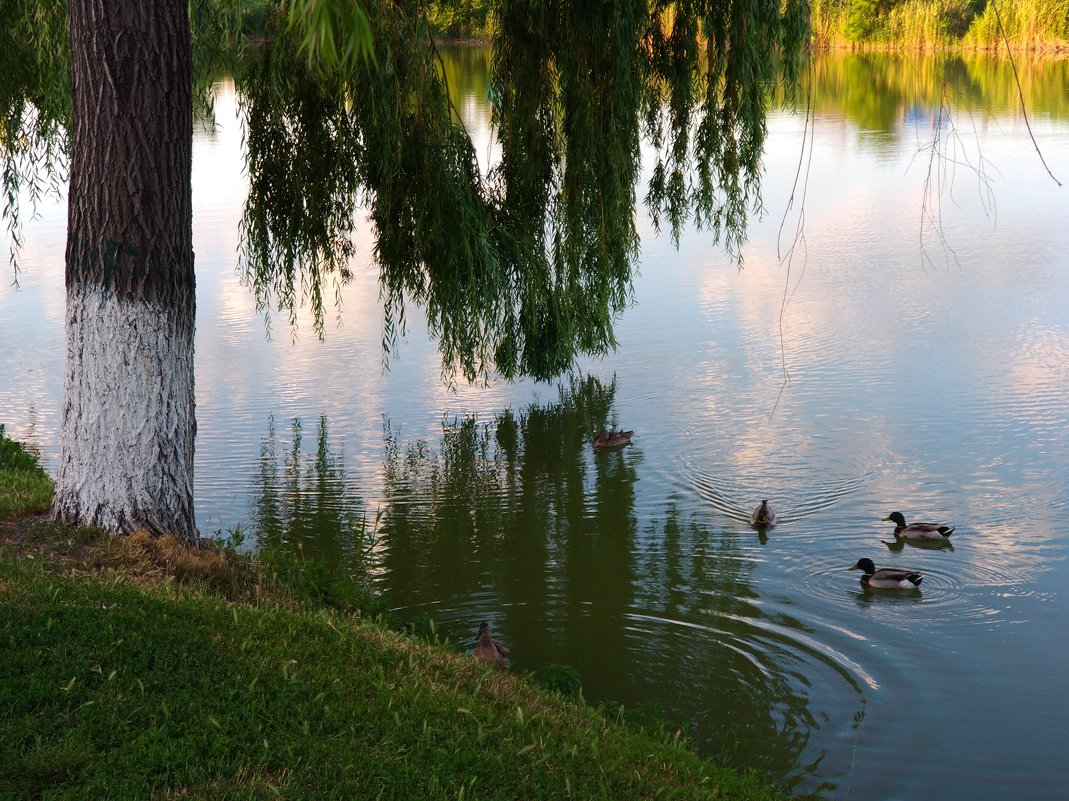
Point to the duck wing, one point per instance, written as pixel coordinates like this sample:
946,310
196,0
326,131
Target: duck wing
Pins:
893,576
925,531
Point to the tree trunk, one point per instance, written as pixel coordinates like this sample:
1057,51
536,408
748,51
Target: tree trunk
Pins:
128,414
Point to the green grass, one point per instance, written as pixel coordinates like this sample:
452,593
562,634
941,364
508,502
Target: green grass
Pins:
118,690
138,668
25,488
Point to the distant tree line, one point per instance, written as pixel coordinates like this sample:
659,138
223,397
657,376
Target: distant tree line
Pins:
460,19
971,24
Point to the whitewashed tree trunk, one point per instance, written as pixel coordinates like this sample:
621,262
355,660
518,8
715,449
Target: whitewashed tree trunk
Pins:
127,448
128,413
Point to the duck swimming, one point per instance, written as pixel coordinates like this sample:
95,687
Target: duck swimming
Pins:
488,650
763,516
918,531
613,439
887,578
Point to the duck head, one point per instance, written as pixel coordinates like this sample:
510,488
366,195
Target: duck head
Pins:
866,565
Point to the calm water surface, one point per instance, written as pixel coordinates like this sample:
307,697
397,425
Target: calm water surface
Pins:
892,365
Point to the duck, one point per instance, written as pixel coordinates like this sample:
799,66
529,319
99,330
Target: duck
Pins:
887,578
488,650
918,531
613,439
763,516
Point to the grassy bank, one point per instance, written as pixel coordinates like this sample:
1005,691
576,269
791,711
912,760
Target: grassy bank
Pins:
137,668
24,487
1034,25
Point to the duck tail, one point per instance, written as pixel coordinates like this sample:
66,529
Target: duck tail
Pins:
946,531
915,579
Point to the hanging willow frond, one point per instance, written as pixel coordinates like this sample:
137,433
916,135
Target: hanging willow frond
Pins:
521,270
35,103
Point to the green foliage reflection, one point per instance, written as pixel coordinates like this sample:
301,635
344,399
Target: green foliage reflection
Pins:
518,508
517,518
880,91
305,500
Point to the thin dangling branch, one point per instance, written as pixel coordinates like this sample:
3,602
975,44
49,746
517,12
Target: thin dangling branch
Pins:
1020,92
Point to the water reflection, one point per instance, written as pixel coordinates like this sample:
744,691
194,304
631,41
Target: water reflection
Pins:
515,509
755,679
304,498
887,96
899,544
519,520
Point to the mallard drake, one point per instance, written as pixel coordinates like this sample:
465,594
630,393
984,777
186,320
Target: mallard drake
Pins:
887,578
918,531
488,650
763,516
613,439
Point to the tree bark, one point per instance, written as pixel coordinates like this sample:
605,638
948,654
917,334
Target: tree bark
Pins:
128,416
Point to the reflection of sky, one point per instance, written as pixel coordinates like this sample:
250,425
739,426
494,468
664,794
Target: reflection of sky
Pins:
936,387
31,329
941,384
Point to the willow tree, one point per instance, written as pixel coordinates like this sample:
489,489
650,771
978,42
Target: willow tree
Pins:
518,270
521,269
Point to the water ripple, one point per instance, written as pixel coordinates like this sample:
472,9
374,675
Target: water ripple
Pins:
956,589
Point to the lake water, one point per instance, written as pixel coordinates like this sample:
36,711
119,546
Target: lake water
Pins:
893,364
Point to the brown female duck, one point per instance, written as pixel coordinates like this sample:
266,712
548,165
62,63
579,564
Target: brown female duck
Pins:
763,516
612,439
488,650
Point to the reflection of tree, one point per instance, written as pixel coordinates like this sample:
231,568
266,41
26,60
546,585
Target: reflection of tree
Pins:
880,92
519,520
467,76
306,499
520,517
